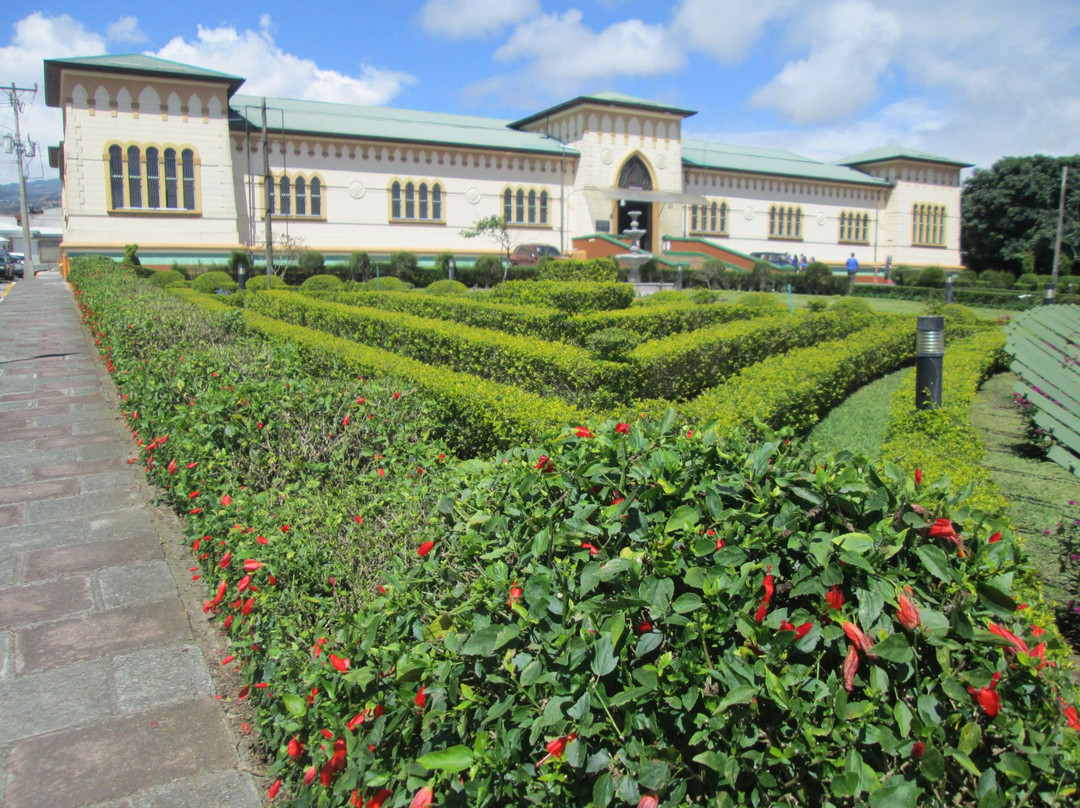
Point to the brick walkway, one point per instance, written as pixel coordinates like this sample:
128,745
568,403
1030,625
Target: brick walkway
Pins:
106,697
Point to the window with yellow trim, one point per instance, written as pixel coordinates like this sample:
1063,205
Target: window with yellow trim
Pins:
710,219
138,173
928,225
525,206
785,221
854,227
295,196
416,201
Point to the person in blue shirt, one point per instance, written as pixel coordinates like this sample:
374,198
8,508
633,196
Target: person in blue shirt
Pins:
852,268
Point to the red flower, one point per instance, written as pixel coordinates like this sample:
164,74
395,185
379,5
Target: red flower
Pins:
1071,716
908,613
851,667
249,604
296,749
944,529
284,528
835,598
345,421
583,432
243,583
225,559
309,775
544,464
800,631
515,595
425,548
381,796
193,494
421,697
918,476
274,789
995,538
382,472
226,500
423,797
397,396
250,565
767,582
1015,646
312,695
556,748
622,429
339,663
228,659
359,519
858,639
591,548
988,699
918,749
648,801
645,627
171,468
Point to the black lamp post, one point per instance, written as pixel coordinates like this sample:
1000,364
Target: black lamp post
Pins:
1050,294
452,265
929,361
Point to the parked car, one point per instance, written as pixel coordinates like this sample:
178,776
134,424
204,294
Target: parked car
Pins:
779,259
528,254
18,259
7,267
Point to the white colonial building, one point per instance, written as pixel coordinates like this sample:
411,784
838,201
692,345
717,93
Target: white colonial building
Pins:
169,156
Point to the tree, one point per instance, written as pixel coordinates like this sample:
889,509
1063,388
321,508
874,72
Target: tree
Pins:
1010,211
494,227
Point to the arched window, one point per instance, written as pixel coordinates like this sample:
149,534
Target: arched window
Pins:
286,196
436,202
508,205
785,221
170,180
928,225
543,207
532,207
301,197
153,179
316,197
116,176
410,201
395,200
423,214
519,210
635,175
187,162
854,227
134,177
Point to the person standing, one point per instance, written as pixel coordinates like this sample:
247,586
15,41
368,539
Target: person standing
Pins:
852,269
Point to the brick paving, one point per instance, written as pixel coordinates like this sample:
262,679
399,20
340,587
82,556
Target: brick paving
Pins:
106,695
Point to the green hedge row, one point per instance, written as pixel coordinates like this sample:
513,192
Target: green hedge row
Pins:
537,365
569,296
988,298
797,388
681,366
942,442
594,270
481,415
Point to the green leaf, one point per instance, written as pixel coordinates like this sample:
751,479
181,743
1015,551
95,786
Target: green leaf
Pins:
896,793
296,705
855,542
451,760
630,694
846,785
935,561
970,736
604,660
654,775
603,791
649,641
932,765
580,707
1013,767
684,518
482,643
710,759
506,634
687,603
737,695
895,648
903,718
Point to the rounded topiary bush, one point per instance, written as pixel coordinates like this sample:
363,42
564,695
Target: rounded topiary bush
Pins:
166,277
651,611
386,283
321,283
931,276
446,287
210,282
761,302
852,305
612,344
1028,281
259,283
967,277
997,279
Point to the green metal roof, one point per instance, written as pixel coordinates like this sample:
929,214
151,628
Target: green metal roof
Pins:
607,99
388,124
130,63
774,162
894,152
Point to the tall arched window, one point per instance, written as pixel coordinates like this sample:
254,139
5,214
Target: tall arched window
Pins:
153,178
436,202
785,221
316,196
519,209
134,177
423,213
543,207
423,201
116,176
508,205
301,197
395,200
410,201
286,196
170,180
187,163
635,174
532,207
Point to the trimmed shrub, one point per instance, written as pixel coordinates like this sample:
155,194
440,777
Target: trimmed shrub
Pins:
321,283
359,266
931,276
260,283
854,307
1028,281
997,279
447,287
655,322
211,282
568,296
386,283
485,272
166,277
761,276
903,275
311,262
612,344
967,277
596,270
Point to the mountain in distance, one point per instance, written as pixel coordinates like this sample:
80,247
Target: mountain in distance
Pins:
40,194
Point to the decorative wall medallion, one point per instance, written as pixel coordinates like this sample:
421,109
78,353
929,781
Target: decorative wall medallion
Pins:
357,189
661,161
606,157
748,213
472,196
821,218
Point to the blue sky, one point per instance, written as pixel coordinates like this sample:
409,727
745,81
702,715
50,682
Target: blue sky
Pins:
971,80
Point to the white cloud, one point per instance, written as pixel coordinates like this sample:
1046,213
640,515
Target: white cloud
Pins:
725,29
126,29
564,52
853,42
462,19
271,71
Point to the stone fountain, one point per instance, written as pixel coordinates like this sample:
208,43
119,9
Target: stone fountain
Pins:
636,257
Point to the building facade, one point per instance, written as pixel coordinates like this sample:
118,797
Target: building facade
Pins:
171,157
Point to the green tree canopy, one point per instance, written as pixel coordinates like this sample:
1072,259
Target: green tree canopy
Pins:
1011,210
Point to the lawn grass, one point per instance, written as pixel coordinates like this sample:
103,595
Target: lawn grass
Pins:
858,424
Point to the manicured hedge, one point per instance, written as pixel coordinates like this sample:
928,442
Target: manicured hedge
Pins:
595,270
569,296
536,365
796,389
987,298
681,366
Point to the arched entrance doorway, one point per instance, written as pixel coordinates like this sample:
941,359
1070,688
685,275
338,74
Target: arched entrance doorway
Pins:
635,176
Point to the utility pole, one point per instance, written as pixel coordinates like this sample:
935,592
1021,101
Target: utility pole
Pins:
1060,226
21,148
268,195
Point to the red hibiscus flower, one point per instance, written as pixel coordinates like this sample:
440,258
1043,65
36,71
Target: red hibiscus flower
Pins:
1015,646
859,639
908,613
425,548
851,667
515,595
544,464
556,748
274,789
918,749
171,468
622,429
423,798
250,565
648,801
226,500
944,529
800,631
918,476
766,582
995,538
421,697
583,432
835,598
381,796
296,749
339,663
